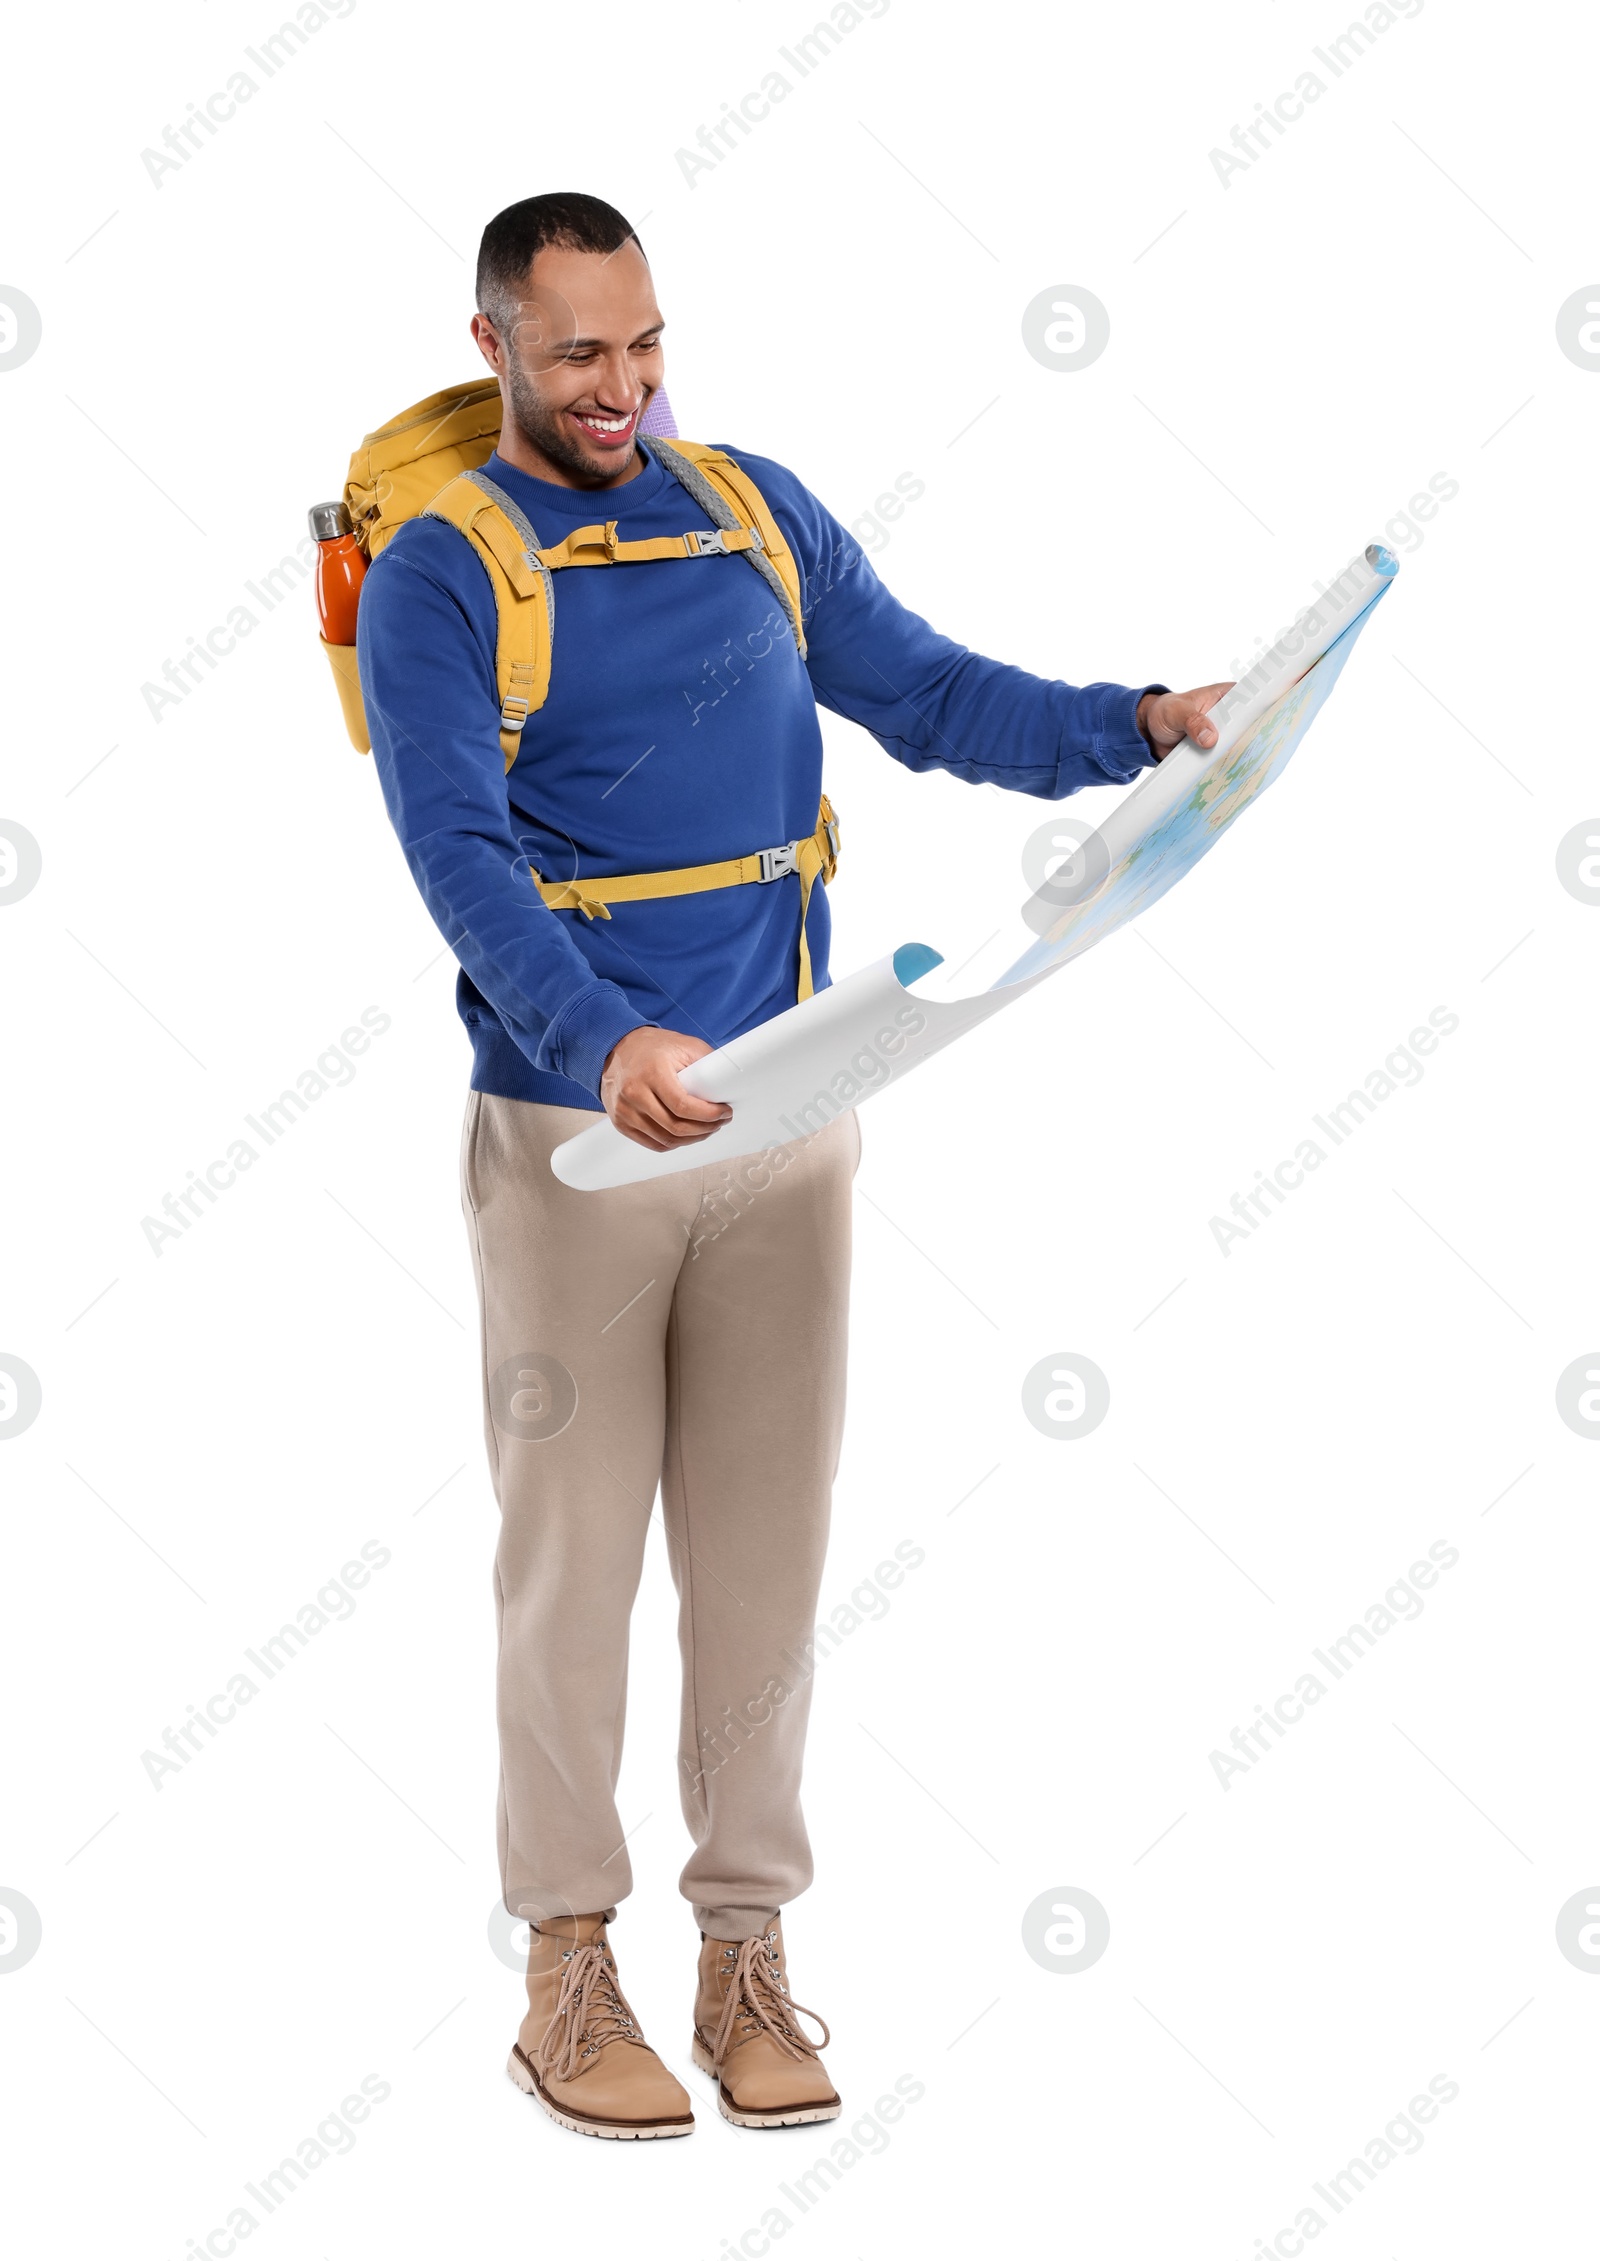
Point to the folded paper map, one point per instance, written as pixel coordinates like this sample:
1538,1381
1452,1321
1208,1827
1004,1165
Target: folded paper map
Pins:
796,1073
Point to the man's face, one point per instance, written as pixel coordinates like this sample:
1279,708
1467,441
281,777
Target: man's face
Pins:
582,359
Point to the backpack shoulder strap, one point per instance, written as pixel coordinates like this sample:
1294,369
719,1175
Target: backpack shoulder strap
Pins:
524,594
730,498
524,587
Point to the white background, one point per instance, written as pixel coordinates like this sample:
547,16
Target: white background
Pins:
1293,355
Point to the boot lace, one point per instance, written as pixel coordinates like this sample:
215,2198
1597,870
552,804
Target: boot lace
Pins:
758,2001
591,2010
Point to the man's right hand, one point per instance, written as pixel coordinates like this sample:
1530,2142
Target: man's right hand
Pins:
640,1090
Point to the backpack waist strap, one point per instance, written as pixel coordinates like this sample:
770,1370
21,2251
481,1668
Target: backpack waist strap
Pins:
809,860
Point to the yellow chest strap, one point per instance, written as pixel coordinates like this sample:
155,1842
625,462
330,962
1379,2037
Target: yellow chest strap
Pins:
598,545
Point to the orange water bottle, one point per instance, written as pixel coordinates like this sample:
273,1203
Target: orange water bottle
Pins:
341,568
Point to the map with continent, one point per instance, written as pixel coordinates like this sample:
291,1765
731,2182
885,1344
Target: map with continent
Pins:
1175,841
789,1076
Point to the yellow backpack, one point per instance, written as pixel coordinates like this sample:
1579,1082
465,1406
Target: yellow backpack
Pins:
427,463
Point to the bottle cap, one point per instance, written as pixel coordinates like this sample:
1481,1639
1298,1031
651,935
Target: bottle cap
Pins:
328,521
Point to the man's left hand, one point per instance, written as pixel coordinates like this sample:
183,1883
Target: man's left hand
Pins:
1166,718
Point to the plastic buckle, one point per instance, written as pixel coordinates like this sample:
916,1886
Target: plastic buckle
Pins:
510,719
778,863
710,545
832,830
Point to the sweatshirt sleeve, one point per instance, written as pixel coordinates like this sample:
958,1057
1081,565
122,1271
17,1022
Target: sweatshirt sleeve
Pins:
930,702
433,716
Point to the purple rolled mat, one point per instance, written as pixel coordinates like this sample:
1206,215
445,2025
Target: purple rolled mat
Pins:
658,418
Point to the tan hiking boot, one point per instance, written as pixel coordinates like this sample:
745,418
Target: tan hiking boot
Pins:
747,2036
580,2051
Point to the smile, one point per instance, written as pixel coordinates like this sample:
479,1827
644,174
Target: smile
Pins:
607,429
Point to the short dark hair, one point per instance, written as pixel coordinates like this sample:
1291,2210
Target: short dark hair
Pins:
514,236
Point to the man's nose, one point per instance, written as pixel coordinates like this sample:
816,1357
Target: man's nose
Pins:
619,388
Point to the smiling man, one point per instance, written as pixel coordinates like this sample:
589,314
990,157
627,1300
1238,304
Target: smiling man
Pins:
630,873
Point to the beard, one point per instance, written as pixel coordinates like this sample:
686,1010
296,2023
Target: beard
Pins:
547,430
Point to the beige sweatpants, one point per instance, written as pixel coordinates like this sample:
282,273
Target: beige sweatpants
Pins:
688,1332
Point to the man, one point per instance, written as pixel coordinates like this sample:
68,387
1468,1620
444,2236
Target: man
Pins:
643,1336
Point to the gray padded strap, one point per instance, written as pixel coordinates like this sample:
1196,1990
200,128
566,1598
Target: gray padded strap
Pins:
698,487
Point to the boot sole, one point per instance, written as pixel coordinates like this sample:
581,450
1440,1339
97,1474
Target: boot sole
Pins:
523,2076
796,2116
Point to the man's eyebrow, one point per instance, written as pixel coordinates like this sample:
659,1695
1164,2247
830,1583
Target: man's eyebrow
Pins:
572,345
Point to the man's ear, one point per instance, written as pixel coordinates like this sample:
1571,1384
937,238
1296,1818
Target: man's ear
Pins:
488,343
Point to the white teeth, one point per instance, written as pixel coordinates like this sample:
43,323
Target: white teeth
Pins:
606,423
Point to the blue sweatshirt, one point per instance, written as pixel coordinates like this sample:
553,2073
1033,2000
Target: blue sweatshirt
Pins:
680,728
